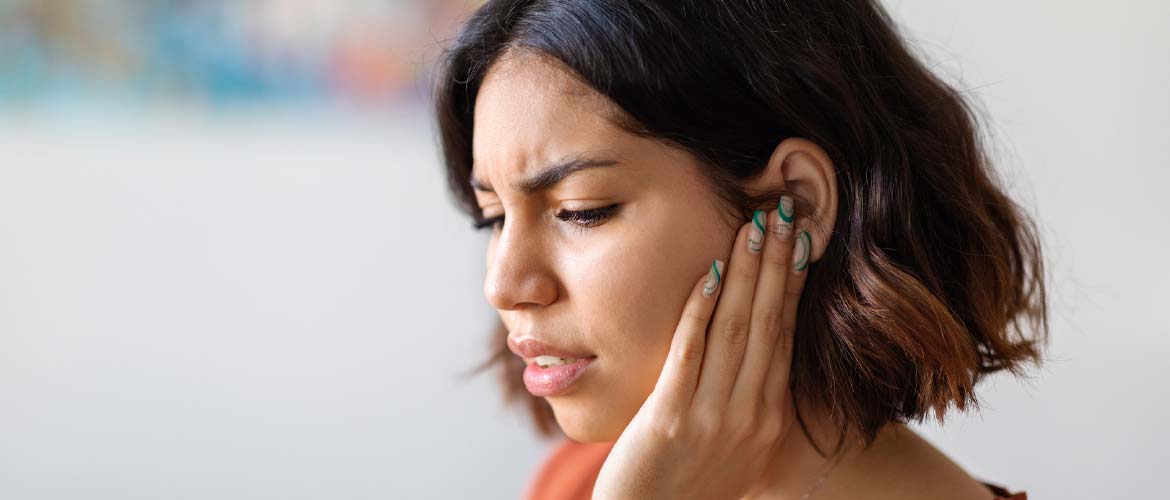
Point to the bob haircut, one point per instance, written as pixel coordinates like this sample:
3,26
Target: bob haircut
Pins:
932,278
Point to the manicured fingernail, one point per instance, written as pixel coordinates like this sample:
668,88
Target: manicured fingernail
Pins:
714,276
801,252
787,214
756,236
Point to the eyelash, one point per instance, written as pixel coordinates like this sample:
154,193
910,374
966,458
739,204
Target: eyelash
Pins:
592,217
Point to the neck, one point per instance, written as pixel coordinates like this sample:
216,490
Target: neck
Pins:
796,465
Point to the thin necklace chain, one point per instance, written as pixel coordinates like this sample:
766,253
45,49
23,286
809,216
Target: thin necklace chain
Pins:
821,480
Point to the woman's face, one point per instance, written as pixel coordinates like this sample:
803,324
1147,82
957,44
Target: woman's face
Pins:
612,287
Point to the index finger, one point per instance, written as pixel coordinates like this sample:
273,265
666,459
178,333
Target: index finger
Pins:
676,385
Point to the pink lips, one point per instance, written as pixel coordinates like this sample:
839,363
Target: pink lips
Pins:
554,379
529,347
542,382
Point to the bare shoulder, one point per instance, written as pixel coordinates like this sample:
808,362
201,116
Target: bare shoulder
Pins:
903,465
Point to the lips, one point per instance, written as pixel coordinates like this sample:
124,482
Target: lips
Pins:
556,380
529,348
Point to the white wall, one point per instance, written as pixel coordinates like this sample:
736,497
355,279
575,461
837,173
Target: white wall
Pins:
1079,96
276,306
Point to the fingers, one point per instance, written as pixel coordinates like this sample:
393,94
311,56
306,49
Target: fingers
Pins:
750,308
729,329
776,384
768,307
675,388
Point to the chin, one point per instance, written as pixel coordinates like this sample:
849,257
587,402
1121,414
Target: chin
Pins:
588,421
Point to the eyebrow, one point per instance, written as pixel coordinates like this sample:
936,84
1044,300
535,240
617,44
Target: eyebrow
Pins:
552,175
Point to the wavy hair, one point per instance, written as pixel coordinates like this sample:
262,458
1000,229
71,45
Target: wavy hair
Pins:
933,276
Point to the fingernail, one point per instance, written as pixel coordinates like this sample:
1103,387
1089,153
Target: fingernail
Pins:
714,276
787,213
802,251
756,236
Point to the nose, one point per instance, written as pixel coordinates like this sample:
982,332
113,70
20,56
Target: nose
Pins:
519,273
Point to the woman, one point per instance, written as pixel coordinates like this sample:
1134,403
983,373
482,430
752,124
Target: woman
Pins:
745,242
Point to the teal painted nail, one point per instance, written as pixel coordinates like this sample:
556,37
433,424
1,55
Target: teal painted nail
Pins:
787,213
786,209
714,276
802,251
756,237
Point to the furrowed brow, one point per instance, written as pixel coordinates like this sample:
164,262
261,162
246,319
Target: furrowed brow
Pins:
550,176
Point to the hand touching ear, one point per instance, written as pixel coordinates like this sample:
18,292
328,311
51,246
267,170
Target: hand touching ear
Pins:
805,169
721,405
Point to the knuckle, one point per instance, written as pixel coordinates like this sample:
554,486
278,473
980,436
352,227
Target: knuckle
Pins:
695,317
743,271
690,352
792,291
783,346
788,329
735,330
670,428
770,318
704,429
780,259
745,426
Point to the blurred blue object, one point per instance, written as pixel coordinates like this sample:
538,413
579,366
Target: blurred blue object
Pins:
219,51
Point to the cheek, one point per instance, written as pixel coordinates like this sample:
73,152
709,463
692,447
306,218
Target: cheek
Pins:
630,291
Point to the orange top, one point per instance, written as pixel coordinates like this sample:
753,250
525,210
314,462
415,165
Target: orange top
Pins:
571,469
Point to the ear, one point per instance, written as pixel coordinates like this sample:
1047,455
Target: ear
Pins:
803,168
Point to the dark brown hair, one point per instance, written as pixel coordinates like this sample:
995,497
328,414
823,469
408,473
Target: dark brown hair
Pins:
932,278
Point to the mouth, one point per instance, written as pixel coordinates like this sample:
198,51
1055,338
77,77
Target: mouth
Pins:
544,353
551,370
555,380
547,361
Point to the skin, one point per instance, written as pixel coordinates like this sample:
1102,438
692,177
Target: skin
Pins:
692,409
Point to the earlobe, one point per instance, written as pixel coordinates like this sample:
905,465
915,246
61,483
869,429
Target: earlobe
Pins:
805,169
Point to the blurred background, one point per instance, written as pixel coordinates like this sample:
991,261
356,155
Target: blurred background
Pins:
217,53
229,267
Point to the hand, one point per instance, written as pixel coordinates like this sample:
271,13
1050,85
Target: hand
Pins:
722,404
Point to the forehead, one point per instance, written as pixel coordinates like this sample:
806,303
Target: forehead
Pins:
530,111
